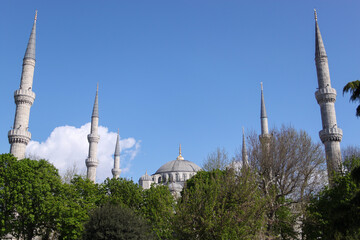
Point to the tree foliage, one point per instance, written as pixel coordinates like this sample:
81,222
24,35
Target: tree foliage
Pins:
354,89
220,205
114,222
30,192
334,213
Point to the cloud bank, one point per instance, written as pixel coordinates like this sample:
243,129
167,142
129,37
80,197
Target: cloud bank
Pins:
68,146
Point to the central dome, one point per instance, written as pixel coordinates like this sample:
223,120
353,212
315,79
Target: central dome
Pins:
178,166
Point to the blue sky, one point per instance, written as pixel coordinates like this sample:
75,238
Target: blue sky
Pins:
173,72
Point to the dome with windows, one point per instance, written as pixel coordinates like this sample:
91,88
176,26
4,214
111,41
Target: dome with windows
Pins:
173,174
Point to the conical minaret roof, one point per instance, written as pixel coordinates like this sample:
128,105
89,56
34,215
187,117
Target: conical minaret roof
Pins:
319,44
30,50
244,152
263,109
117,146
95,112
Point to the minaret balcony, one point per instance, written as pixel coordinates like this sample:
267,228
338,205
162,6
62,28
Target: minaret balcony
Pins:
331,134
325,95
93,138
91,162
24,96
19,136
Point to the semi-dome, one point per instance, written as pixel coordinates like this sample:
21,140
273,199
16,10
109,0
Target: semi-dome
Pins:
145,177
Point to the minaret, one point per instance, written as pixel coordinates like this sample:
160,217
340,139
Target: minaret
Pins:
245,161
330,135
264,136
93,139
116,170
19,136
180,157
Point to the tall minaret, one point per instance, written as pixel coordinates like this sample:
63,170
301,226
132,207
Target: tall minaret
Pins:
264,136
330,135
19,136
93,139
245,161
116,170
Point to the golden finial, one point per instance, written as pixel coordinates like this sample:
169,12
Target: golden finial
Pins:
35,15
315,14
180,157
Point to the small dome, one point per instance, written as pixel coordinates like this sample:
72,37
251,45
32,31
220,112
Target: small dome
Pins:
178,166
145,177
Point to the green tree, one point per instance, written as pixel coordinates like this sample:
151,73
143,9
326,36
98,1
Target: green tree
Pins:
116,223
334,213
30,192
156,204
220,205
354,89
158,209
79,197
123,192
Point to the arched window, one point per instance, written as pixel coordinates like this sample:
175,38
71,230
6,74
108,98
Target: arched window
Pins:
177,177
184,177
171,178
159,180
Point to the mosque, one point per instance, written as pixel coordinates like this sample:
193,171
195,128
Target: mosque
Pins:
176,172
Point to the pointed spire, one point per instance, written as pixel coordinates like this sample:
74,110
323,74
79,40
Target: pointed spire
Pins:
263,116
180,157
117,147
244,152
319,45
30,50
263,110
96,104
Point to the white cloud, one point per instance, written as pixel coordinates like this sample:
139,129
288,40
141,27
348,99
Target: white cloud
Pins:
68,145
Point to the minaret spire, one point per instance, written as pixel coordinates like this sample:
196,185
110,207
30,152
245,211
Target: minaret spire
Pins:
93,139
24,97
116,170
245,160
330,135
263,116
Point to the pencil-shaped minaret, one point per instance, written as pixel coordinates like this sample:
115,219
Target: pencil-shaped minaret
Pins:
330,135
264,136
116,170
245,161
19,136
93,139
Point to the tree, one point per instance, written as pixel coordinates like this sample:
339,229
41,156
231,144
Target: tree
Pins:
290,167
79,197
220,205
216,160
30,192
123,192
156,204
354,89
158,210
334,213
114,222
